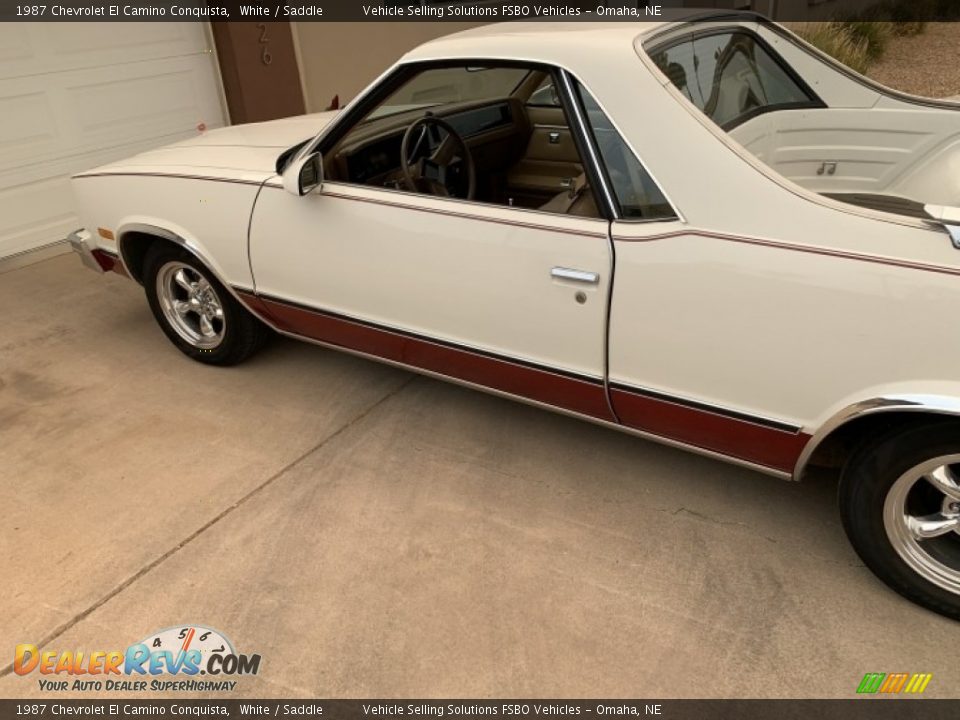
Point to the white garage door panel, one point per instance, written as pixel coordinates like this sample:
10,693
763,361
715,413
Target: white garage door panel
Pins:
74,113
165,101
28,124
36,48
45,205
73,105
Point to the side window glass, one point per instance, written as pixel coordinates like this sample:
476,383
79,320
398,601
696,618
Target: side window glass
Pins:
730,77
462,132
637,194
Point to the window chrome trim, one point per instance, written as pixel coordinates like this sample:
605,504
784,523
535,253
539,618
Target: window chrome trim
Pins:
459,207
581,129
557,70
677,214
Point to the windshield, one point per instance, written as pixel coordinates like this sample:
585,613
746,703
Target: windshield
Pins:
444,86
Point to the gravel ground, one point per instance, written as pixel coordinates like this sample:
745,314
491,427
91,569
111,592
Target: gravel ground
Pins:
927,64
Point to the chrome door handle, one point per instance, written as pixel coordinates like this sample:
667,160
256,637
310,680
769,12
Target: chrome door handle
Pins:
562,273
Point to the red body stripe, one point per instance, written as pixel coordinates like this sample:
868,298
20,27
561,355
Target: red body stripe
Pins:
776,448
769,446
255,304
582,396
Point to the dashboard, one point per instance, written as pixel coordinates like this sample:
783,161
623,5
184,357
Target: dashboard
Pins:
382,155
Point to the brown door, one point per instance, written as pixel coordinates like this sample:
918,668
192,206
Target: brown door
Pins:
258,65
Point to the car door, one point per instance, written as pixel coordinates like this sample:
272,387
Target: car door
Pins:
665,360
505,298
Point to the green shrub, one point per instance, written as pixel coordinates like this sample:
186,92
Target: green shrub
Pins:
875,33
838,41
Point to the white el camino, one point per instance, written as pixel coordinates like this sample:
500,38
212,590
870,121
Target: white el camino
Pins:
702,231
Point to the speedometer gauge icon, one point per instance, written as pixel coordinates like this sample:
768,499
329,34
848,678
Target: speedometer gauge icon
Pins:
181,639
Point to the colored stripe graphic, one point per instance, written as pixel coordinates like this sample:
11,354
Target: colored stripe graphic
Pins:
871,683
918,683
894,683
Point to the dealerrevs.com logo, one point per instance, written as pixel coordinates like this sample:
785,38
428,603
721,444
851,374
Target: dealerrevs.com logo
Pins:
172,659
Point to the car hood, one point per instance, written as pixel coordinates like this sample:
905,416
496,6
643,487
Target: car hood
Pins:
250,151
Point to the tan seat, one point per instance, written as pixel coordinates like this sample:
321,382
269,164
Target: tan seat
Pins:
578,200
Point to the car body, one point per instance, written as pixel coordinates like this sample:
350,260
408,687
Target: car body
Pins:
762,273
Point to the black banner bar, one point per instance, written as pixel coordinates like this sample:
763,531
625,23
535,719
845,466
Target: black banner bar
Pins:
877,708
446,11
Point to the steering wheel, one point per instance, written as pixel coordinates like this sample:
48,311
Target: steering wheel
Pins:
446,169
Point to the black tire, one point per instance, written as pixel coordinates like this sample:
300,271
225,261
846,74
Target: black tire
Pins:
238,334
869,478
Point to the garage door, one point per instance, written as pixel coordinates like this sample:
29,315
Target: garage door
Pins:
77,95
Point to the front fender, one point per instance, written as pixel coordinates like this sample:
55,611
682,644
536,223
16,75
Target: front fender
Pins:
171,232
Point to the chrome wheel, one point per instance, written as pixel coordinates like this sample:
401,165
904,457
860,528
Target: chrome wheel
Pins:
190,305
921,516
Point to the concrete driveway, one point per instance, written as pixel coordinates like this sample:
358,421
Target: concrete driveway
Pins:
373,533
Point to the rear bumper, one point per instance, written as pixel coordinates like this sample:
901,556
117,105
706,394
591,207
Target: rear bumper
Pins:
92,257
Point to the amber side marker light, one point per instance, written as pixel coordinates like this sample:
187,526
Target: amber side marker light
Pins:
105,234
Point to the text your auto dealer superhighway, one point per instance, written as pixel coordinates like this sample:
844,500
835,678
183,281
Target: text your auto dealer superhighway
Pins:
87,11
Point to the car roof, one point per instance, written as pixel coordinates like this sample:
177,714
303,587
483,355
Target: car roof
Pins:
521,39
544,39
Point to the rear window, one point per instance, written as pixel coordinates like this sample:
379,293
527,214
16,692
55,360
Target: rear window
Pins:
731,77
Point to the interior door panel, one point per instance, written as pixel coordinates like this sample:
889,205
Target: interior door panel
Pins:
550,161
